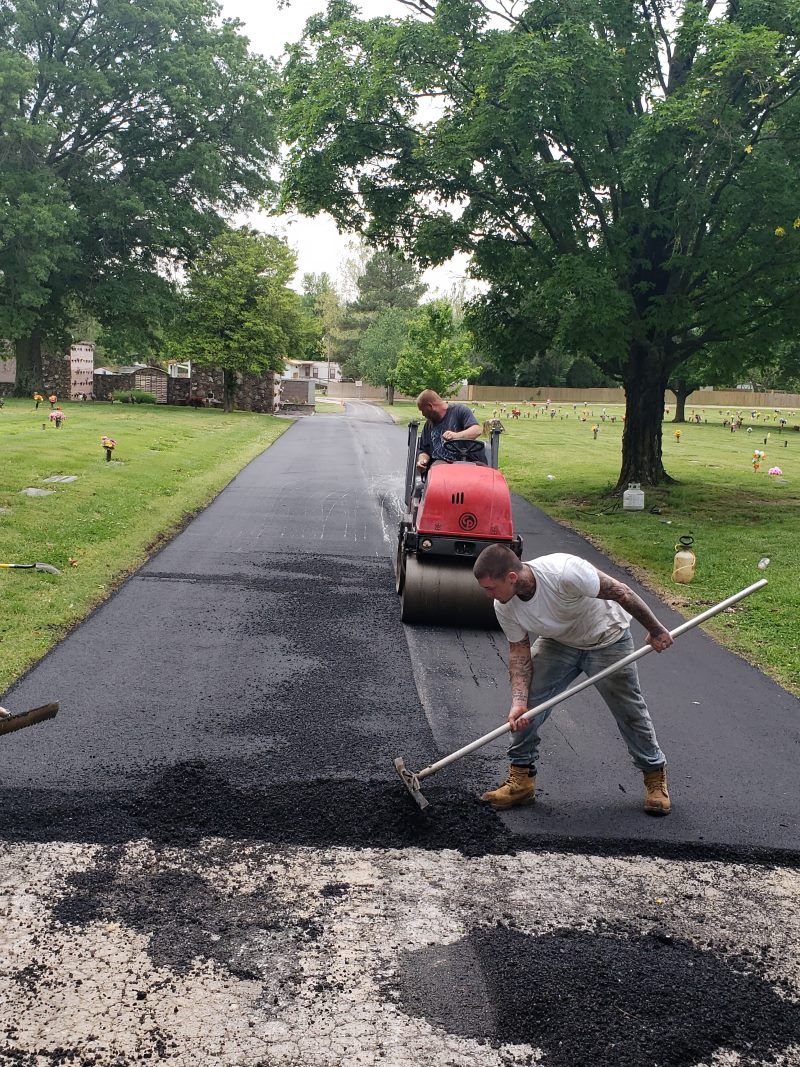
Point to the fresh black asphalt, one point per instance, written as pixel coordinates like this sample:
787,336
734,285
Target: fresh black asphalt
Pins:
254,680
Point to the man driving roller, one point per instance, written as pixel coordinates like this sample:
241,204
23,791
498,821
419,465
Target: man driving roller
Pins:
444,424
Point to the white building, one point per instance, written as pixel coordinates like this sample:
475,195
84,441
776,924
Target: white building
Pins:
317,370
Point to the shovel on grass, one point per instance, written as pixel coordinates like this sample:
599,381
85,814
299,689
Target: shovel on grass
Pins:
30,567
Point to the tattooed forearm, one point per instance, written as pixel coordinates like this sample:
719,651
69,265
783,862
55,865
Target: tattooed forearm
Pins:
611,589
520,670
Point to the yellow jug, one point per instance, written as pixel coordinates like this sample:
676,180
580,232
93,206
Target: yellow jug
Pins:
685,560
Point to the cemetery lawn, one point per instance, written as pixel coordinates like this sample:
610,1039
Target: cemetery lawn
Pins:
101,527
736,515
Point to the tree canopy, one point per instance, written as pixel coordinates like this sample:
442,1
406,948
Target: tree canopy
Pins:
436,355
381,347
239,313
128,132
625,176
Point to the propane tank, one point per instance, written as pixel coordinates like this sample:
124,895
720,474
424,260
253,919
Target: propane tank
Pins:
685,560
633,497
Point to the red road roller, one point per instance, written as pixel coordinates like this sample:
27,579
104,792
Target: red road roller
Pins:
459,509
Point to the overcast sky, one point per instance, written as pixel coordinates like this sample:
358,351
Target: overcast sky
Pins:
318,245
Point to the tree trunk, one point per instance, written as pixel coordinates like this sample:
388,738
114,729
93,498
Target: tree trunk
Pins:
28,351
681,389
390,394
644,386
228,389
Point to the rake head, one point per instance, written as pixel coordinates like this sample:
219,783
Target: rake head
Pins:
411,782
9,722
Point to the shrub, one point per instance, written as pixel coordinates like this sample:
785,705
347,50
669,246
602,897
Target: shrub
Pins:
134,396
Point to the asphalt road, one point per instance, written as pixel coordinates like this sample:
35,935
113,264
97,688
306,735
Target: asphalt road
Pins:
264,642
207,859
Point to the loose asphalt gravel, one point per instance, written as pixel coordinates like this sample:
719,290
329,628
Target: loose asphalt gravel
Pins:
207,857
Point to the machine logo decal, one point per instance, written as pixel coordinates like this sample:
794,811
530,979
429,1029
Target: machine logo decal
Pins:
468,521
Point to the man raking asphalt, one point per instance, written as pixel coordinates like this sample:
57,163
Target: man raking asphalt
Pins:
412,779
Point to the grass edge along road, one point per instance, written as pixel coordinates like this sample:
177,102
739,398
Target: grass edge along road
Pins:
736,514
169,463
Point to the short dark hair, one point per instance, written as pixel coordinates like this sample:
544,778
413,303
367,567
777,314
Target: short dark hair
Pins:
496,562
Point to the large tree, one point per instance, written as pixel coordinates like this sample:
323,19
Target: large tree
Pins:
381,347
239,312
127,132
624,175
386,281
436,354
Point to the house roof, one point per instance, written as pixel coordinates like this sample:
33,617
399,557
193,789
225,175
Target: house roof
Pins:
135,369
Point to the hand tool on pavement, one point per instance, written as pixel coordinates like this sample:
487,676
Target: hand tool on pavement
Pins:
10,722
411,779
30,567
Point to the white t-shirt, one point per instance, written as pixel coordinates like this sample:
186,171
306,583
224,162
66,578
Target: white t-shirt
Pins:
565,606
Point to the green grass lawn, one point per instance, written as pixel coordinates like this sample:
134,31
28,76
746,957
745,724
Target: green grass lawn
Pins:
97,529
736,515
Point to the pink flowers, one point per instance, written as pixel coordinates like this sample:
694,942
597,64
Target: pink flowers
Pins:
775,471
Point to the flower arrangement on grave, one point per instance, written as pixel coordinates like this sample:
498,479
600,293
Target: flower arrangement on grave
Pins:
109,444
758,455
57,417
776,472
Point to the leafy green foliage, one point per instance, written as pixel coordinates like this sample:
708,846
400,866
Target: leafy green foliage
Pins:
387,282
624,177
127,133
134,396
239,313
436,355
382,344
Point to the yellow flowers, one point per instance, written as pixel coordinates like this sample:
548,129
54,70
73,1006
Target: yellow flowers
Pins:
748,148
780,231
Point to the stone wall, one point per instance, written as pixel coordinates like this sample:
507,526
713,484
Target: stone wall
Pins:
57,375
256,392
107,384
178,390
207,380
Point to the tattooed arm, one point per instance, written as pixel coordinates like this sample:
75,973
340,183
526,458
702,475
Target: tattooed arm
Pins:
610,589
520,671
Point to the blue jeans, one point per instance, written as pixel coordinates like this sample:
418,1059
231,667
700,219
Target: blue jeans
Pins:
555,666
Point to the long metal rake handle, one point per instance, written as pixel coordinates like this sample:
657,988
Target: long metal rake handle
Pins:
630,658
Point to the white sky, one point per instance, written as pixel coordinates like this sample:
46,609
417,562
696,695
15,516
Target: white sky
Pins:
318,244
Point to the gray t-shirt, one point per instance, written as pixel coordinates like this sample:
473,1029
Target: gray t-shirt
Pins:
565,606
457,417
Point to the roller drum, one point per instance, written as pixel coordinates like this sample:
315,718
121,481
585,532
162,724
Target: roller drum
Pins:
437,590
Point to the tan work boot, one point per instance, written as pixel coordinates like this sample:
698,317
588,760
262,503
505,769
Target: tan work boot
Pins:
656,797
519,788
